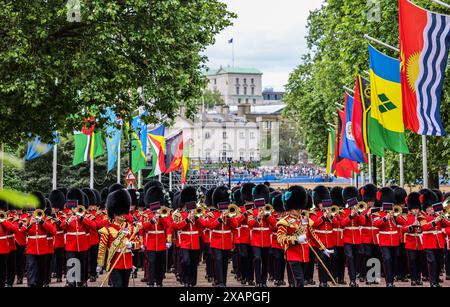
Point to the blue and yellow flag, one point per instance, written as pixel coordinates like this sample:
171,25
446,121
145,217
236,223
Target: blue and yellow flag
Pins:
386,128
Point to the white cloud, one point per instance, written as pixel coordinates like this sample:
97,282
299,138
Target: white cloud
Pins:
268,35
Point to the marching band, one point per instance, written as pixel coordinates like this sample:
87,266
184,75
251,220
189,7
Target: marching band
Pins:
258,233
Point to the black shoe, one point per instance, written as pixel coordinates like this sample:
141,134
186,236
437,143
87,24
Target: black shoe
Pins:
447,277
243,281
419,282
159,286
251,283
323,285
210,279
58,280
362,279
413,283
312,282
341,282
92,279
19,281
440,280
425,279
353,284
436,286
145,279
390,286
404,279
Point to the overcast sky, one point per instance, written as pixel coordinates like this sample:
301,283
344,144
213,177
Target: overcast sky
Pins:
268,35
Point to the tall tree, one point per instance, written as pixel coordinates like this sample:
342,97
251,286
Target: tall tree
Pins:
59,64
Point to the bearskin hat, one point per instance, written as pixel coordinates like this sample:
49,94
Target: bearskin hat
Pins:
413,201
295,198
134,197
58,199
320,194
91,197
400,196
98,197
114,187
261,191
369,192
386,196
152,183
176,200
75,197
48,207
221,198
350,195
64,190
237,197
246,192
336,196
208,197
188,197
41,200
118,203
3,205
428,198
438,194
141,202
104,195
154,198
277,201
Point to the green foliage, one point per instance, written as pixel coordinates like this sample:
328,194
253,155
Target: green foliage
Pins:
337,52
212,98
123,54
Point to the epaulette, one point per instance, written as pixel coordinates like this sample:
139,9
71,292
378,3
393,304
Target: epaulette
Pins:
283,222
103,231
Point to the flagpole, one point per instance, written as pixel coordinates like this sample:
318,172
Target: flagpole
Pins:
370,168
425,162
402,171
362,179
91,177
159,177
232,51
381,43
441,3
55,166
139,179
118,163
170,181
383,171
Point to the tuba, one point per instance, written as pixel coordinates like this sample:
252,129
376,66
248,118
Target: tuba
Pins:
232,211
38,214
3,216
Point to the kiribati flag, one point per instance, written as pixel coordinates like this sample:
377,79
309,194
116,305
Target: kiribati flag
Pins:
424,47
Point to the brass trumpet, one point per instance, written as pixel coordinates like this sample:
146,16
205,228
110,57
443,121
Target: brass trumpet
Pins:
3,216
446,202
80,210
446,213
199,211
267,210
335,210
176,216
361,207
232,211
397,211
38,214
164,211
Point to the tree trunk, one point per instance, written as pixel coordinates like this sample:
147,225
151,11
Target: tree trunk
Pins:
433,180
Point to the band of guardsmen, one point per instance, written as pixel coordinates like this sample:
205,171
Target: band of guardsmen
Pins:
265,237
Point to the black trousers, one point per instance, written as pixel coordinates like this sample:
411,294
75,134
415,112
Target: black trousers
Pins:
279,264
310,266
297,271
389,254
433,257
156,264
20,261
93,253
58,260
339,264
119,278
351,254
415,264
401,265
73,271
246,262
3,262
271,266
447,262
367,251
48,275
220,260
208,260
189,262
260,263
329,263
11,268
36,270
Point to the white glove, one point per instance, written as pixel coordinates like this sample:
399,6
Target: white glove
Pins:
129,245
143,247
98,269
301,239
168,245
133,269
328,252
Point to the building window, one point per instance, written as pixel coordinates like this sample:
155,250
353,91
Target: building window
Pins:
241,155
241,134
207,135
239,100
237,90
245,81
245,91
246,100
252,155
224,135
237,81
254,101
207,155
252,135
253,91
253,81
215,81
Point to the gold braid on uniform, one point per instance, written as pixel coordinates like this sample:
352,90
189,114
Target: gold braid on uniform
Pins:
283,238
102,246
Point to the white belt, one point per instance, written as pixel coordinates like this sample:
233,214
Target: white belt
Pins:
261,228
221,231
75,233
369,228
388,232
49,238
155,232
430,232
3,237
413,234
10,236
60,232
338,229
323,231
351,228
37,237
243,226
189,232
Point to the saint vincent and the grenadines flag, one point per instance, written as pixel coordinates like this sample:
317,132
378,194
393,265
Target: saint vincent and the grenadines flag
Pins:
424,48
158,150
386,128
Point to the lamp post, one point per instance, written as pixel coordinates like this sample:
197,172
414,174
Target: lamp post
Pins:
229,159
